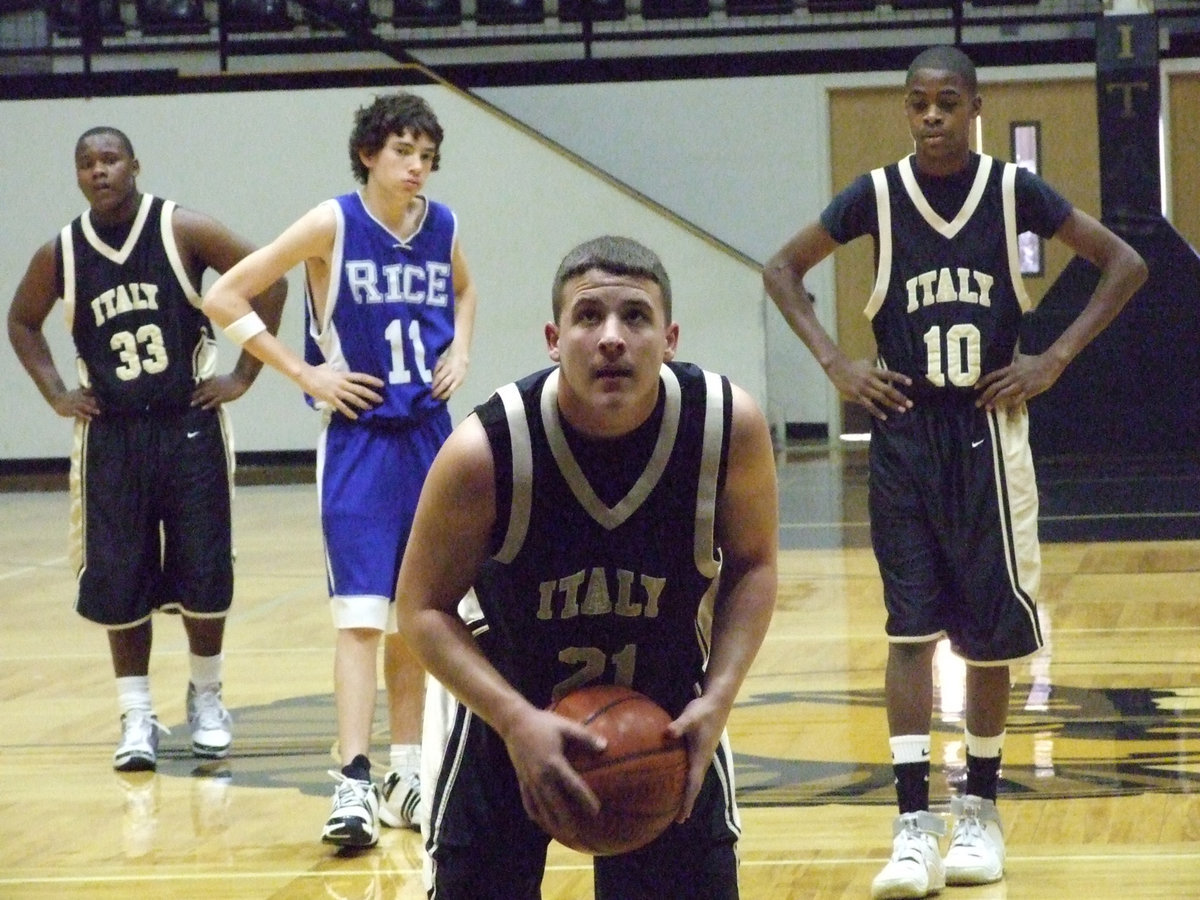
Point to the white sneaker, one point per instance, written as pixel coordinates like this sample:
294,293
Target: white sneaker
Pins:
401,807
138,750
915,869
210,722
354,819
976,854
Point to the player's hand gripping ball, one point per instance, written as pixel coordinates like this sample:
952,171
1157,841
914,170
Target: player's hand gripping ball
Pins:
640,777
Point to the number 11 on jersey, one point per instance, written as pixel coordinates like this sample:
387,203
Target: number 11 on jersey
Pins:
400,373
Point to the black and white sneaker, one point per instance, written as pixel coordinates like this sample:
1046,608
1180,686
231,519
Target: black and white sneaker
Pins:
138,750
401,807
210,722
354,819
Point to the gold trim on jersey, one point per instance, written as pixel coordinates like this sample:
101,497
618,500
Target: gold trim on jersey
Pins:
131,239
612,517
522,462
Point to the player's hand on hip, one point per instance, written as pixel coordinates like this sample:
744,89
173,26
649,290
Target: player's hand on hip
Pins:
347,392
212,392
1024,378
448,375
879,390
79,403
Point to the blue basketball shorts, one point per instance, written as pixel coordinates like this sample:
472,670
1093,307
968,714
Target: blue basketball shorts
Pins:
369,478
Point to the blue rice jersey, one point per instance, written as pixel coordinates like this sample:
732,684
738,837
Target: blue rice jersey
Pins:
390,307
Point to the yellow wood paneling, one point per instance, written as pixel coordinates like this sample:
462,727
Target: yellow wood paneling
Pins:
1184,94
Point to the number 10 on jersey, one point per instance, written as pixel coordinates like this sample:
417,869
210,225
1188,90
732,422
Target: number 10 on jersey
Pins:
958,358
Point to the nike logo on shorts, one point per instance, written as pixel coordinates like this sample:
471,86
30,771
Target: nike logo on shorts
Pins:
192,434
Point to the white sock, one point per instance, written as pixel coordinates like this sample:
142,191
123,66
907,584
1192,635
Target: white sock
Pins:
406,758
910,748
133,692
984,747
206,670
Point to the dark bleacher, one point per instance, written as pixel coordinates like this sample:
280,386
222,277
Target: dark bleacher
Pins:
509,12
759,7
426,13
792,35
840,6
184,17
674,9
65,17
257,15
595,10
171,16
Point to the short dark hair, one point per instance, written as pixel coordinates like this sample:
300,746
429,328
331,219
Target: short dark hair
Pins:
948,59
392,114
616,256
107,129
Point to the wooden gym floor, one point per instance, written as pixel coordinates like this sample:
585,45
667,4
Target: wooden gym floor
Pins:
1101,791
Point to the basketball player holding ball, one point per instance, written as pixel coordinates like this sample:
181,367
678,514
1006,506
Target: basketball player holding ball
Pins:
591,506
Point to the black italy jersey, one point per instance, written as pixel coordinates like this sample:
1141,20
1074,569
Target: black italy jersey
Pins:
141,339
581,591
948,296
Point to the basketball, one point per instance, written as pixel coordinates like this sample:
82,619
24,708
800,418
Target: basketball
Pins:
639,778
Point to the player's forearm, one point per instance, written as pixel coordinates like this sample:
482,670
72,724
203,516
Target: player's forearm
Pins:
786,289
231,310
33,351
783,279
448,651
268,349
740,622
247,367
268,306
464,323
1119,279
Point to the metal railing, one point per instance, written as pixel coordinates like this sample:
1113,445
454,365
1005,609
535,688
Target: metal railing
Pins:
71,35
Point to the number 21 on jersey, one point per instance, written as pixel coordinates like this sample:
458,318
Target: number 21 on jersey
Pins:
593,663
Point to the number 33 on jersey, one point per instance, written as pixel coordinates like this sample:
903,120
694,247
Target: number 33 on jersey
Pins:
142,344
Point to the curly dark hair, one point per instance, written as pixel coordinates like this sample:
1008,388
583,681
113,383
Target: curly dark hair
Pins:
388,115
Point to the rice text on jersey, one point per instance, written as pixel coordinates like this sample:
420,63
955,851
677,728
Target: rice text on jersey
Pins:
402,282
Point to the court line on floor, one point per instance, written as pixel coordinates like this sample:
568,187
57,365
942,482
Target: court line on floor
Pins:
36,567
824,637
822,862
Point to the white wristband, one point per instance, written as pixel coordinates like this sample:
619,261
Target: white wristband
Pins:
245,328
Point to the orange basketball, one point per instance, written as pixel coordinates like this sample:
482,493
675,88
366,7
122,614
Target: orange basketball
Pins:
640,777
